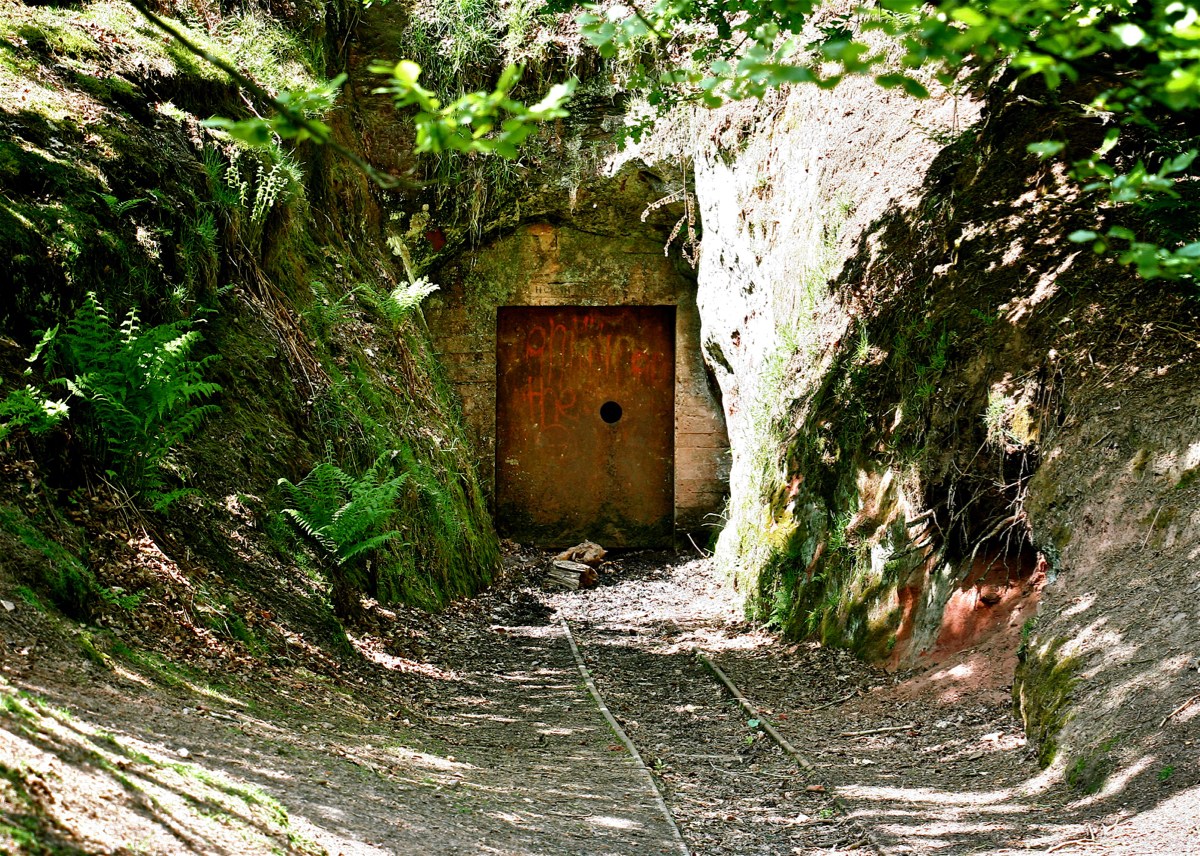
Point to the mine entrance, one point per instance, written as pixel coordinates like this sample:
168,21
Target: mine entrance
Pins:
585,424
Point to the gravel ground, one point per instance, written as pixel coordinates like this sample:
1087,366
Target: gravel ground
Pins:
917,763
471,732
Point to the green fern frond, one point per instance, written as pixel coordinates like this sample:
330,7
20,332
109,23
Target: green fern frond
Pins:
367,545
406,298
344,514
140,387
164,500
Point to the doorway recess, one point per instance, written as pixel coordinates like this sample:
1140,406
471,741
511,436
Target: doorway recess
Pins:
585,424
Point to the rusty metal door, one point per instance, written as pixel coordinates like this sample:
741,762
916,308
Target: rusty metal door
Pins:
585,403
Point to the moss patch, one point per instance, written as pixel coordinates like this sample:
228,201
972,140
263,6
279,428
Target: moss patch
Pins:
1041,691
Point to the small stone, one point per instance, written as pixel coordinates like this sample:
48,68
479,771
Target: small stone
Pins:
815,789
183,753
585,552
8,605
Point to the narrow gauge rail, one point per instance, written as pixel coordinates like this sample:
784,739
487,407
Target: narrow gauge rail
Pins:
725,785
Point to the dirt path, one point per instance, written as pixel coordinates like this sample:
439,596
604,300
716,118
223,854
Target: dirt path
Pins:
925,763
505,753
471,732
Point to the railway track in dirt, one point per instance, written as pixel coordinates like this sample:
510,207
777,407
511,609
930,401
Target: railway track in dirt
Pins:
723,776
728,781
822,754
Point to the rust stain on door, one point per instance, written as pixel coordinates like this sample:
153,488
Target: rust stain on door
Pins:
585,403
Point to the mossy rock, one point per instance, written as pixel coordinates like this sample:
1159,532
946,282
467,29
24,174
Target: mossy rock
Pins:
1041,691
53,566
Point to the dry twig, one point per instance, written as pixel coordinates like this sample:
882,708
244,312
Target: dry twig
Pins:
1178,709
871,731
835,702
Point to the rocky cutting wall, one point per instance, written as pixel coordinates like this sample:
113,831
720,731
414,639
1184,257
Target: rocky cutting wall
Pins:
958,438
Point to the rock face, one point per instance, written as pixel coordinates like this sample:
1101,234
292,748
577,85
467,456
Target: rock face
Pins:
954,434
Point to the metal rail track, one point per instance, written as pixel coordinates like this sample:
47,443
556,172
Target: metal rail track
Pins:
806,769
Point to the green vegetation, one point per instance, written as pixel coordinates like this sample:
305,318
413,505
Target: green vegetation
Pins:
118,598
136,389
30,597
406,299
457,44
27,408
1041,689
347,517
93,654
59,570
122,254
1091,769
481,121
475,122
1141,56
447,545
1027,629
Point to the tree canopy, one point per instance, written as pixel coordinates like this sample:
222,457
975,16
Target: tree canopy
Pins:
1142,57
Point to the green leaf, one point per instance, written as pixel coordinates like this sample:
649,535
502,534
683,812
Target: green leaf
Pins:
1110,140
1046,148
793,74
256,132
407,72
1180,163
969,16
1129,34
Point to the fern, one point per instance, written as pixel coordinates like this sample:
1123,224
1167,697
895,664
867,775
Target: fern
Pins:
139,388
226,186
119,208
281,183
326,311
344,515
406,298
28,408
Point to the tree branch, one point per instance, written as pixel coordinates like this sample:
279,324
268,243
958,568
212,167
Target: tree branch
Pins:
296,117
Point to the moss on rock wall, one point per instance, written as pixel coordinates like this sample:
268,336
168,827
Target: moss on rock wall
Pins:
276,256
1041,691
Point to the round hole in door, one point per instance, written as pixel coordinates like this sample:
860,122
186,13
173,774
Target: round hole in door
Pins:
610,412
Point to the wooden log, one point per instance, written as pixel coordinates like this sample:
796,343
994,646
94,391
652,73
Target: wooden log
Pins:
570,575
563,579
572,567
